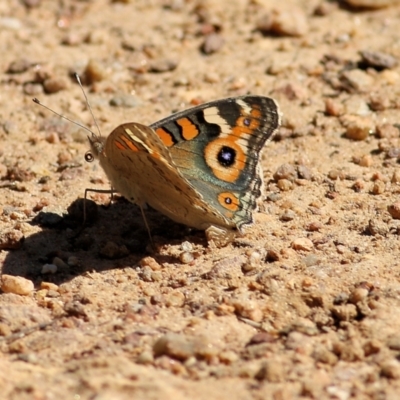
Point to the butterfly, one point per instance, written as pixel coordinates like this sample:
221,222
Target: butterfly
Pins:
199,167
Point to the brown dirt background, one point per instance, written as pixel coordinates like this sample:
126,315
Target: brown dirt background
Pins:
305,305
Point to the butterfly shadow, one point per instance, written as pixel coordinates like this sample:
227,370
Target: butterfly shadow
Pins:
113,236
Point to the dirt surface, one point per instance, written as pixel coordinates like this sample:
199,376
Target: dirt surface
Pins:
305,305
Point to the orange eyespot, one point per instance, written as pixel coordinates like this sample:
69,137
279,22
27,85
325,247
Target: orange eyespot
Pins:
229,201
248,123
226,158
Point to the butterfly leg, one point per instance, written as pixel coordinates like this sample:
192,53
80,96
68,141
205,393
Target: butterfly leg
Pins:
108,191
147,226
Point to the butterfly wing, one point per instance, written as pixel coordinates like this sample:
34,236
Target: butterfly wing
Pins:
141,168
216,147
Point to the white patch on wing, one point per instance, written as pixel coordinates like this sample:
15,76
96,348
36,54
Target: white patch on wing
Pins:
247,109
211,115
135,139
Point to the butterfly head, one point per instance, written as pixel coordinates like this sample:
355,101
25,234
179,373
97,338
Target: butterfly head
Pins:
96,147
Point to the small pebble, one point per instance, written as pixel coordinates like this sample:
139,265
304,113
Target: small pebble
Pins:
32,3
156,276
146,357
371,3
49,269
378,187
227,268
11,239
333,108
286,171
253,261
377,227
393,342
394,210
372,346
175,299
212,43
336,174
396,176
97,37
356,80
60,264
365,161
228,357
322,354
19,66
94,72
163,65
358,294
16,285
71,174
112,251
186,246
72,39
359,128
358,185
379,101
387,131
391,369
10,23
377,60
124,101
185,257
284,23
183,347
302,244
311,260
10,127
150,262
314,226
324,8
288,215
304,326
273,255
304,172
5,330
73,261
345,312
146,274
285,185
54,85
271,371
33,89
247,308
393,152
49,286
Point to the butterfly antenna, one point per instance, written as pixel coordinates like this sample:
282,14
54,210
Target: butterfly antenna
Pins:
78,79
35,100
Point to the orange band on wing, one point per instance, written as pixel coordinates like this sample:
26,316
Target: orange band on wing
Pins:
119,145
189,129
127,141
165,137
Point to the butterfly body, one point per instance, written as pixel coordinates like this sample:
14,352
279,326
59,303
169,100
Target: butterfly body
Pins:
199,167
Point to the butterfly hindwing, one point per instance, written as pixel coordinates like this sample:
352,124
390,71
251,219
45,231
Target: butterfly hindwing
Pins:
217,146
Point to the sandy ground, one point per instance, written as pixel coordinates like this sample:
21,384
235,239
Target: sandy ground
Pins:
305,305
